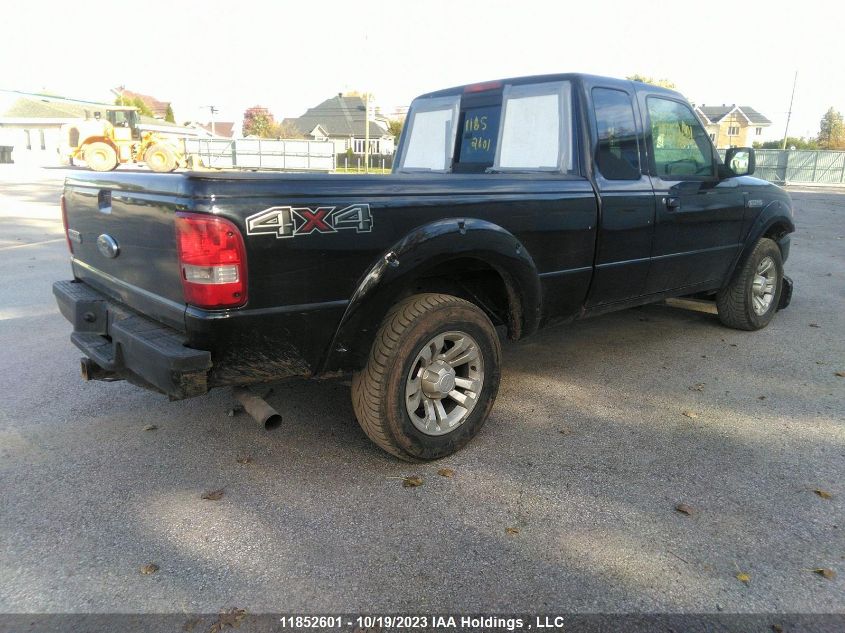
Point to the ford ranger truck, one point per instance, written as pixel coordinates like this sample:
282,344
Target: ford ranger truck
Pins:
512,204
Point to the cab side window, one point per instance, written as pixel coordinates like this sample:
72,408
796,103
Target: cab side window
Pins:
617,154
681,146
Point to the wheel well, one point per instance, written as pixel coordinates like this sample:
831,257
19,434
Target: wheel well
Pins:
776,231
476,281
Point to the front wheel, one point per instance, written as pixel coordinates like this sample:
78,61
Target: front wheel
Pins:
431,377
750,301
100,156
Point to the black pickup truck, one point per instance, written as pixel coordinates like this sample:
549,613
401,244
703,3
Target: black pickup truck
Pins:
513,203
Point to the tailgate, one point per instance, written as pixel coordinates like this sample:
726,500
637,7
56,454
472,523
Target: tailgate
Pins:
121,228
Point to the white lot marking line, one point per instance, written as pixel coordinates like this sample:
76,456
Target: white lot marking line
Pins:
8,248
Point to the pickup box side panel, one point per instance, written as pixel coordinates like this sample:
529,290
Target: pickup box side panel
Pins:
300,286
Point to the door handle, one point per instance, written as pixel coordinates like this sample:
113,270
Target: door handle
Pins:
672,203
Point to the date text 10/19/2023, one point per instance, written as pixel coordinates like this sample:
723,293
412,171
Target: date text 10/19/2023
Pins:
411,622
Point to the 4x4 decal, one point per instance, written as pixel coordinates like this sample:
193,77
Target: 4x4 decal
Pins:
294,221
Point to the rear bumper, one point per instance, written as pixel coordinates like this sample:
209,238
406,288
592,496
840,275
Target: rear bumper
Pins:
127,345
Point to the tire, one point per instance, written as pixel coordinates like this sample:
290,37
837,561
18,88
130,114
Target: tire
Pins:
161,158
100,156
741,302
397,368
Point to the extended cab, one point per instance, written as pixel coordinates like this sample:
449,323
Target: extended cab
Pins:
512,203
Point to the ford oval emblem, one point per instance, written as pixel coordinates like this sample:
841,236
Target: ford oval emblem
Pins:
108,246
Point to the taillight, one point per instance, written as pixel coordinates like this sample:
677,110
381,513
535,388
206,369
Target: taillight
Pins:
212,260
64,223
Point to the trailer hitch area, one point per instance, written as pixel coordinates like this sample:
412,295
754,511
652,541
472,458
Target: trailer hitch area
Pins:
92,371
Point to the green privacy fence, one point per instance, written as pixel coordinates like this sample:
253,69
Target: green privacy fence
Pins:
800,166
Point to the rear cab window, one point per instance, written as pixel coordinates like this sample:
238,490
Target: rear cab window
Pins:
502,129
617,152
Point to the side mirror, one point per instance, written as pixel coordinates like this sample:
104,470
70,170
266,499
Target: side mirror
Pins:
740,161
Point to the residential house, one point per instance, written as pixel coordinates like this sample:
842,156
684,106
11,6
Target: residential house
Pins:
158,108
341,120
732,125
219,129
31,124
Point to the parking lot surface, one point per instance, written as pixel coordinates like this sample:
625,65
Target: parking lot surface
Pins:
566,501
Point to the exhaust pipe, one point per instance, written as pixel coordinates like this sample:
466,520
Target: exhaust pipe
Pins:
258,408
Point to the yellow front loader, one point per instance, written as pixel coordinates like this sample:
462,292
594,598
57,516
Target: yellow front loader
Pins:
104,142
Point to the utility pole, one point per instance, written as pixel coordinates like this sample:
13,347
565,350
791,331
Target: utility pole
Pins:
366,132
789,114
213,110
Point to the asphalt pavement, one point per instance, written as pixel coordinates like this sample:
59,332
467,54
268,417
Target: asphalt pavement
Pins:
566,501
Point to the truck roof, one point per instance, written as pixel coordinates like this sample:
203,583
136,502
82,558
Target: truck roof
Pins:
533,79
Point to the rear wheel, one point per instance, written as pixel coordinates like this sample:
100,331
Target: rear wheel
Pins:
161,158
100,156
750,301
431,377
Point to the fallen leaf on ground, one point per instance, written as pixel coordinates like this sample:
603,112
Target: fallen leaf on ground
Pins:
825,572
564,430
150,427
512,531
231,619
149,568
246,459
683,508
446,472
743,577
692,415
761,397
698,387
841,374
191,624
824,494
214,495
412,482
814,325
777,628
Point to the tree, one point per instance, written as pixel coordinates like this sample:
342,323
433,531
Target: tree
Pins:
137,102
663,83
286,129
258,122
168,115
832,130
394,127
791,141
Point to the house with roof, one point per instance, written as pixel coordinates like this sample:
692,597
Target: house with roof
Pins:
158,108
732,125
341,120
31,124
218,129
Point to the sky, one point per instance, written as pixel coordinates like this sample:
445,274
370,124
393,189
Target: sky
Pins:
289,56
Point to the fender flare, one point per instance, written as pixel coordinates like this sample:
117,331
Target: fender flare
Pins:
776,212
420,250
